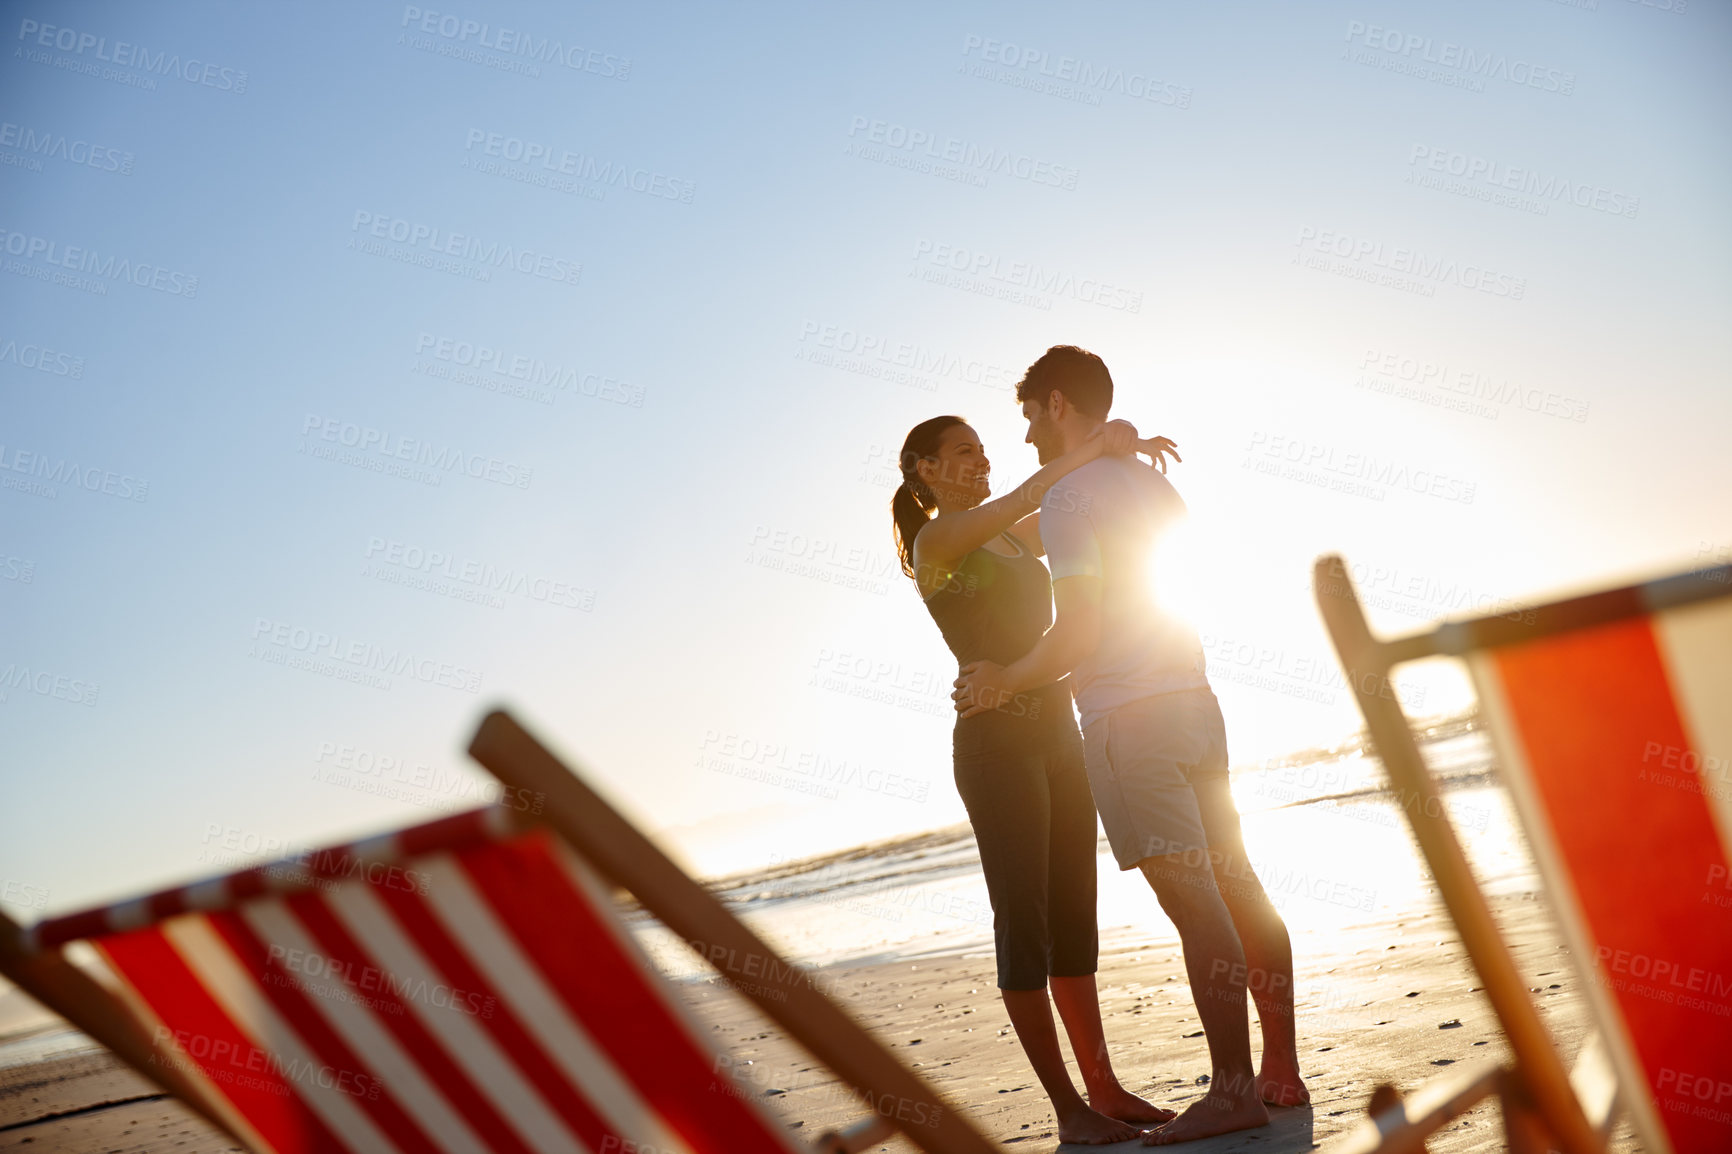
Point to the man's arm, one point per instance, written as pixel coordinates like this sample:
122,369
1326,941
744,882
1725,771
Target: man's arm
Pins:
1068,532
1075,633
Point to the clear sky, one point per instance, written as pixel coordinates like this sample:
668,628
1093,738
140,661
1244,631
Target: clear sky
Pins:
363,366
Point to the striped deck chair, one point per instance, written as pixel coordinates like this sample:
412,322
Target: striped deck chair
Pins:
456,987
1612,718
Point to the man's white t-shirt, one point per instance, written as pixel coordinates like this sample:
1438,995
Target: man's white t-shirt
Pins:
1105,520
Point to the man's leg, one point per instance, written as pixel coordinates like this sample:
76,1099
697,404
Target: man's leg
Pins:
1140,759
1268,946
1215,964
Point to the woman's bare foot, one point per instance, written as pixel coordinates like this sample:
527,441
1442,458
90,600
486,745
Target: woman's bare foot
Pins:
1120,1103
1210,1115
1281,1085
1089,1127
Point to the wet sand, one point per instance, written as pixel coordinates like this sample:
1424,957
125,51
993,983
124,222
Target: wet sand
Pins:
1387,1001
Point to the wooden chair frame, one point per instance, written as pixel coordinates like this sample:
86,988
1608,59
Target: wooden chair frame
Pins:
612,847
1544,1105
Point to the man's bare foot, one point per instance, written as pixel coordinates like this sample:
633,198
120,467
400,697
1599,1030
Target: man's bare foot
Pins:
1281,1085
1089,1127
1210,1115
1120,1103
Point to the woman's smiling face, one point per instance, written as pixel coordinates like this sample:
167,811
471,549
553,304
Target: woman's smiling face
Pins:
960,475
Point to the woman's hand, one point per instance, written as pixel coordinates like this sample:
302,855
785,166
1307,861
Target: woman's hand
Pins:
1119,438
1154,447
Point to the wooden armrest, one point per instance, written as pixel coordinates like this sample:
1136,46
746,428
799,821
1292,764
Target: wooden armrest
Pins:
1596,1084
865,1133
1404,1127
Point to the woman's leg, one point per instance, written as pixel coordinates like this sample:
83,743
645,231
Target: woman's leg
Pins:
1004,788
1071,919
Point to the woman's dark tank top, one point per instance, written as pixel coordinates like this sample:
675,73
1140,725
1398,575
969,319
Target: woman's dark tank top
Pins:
994,608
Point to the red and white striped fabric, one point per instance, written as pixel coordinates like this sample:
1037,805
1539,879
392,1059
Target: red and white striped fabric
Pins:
1617,743
477,996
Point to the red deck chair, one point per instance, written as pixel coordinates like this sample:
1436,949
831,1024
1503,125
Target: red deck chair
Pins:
1612,719
456,987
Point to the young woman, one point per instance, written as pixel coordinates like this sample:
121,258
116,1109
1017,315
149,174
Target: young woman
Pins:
1019,768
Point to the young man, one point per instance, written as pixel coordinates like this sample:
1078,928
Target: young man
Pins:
1154,743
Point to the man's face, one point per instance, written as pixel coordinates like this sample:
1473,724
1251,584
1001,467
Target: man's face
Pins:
1043,431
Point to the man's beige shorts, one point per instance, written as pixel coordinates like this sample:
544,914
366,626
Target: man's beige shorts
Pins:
1144,760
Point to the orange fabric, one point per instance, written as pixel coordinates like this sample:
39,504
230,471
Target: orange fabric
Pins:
1591,706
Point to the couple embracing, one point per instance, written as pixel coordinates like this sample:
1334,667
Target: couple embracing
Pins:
1151,756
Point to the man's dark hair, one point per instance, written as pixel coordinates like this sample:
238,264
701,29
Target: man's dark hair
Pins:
1077,373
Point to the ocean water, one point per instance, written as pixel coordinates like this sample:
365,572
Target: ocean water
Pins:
1330,844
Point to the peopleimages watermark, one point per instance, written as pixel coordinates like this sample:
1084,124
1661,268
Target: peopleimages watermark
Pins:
19,569
1432,382
1281,885
16,678
247,1066
17,893
352,659
910,363
1669,981
743,1079
41,358
286,862
1676,974
440,249
1332,786
952,158
35,145
363,770
512,373
1479,178
505,49
45,472
90,54
1017,282
1064,77
1710,558
364,984
467,578
1354,473
86,269
820,558
1446,62
889,898
1717,874
381,451
562,170
1690,770
1698,1095
731,966
1422,595
888,683
779,763
1307,678
1406,269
